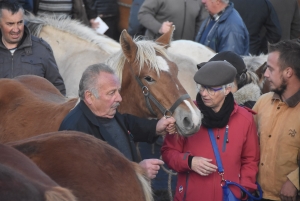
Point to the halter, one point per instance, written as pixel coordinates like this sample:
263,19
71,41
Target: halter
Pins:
166,112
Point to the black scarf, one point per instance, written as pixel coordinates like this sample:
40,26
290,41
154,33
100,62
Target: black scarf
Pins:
219,119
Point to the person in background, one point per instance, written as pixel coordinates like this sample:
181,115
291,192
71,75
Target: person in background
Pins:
97,115
224,29
236,136
278,123
20,52
259,14
157,16
108,11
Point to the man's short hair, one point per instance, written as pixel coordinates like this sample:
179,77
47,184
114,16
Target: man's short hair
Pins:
88,81
225,1
11,5
289,52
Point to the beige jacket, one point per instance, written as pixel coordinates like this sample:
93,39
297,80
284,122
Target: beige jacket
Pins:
278,125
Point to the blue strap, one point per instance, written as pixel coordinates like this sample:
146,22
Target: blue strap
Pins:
227,183
216,150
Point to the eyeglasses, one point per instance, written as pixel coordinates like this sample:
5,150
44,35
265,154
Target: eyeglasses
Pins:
210,90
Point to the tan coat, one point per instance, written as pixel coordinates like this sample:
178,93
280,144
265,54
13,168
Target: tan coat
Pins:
278,125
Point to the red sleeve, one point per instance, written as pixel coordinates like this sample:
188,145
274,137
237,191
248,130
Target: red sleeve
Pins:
173,155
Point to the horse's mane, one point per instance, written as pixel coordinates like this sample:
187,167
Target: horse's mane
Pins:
64,23
146,53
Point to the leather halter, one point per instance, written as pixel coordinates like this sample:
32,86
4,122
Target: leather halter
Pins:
166,112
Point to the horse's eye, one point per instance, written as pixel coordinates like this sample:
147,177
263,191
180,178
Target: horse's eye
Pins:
149,79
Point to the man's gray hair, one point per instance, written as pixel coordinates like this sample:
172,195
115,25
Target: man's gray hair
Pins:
225,1
88,81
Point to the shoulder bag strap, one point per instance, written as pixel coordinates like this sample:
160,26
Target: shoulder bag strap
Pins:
216,150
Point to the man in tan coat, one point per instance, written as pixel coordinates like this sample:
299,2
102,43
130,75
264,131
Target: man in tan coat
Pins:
278,123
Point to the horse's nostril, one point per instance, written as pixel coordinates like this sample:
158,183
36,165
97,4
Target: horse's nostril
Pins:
187,123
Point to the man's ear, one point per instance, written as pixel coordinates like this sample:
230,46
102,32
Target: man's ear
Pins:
289,72
88,97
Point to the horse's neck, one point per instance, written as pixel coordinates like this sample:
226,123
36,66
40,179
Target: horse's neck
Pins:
66,45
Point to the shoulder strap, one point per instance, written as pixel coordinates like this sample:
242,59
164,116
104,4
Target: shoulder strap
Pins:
216,150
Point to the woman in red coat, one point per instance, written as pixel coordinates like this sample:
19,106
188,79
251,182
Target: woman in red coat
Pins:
235,133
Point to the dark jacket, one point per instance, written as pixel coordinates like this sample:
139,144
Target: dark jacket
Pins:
33,56
107,8
257,14
229,33
82,119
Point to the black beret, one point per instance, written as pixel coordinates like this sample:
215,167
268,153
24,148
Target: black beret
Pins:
215,73
232,58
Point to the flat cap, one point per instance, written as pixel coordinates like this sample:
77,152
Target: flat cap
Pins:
215,73
232,58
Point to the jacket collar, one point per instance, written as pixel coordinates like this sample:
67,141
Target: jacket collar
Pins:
226,12
292,101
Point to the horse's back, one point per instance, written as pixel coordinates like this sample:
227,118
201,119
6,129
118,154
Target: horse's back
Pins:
91,168
32,103
21,179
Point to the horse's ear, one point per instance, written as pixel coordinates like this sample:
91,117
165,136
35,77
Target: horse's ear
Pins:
166,38
261,70
128,46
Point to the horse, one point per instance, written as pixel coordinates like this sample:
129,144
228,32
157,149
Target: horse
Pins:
21,179
75,46
30,105
135,59
91,168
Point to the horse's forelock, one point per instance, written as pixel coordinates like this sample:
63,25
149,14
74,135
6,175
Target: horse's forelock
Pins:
146,53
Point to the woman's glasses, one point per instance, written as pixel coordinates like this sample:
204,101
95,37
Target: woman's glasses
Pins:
210,90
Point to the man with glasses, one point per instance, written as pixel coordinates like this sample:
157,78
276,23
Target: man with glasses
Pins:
235,133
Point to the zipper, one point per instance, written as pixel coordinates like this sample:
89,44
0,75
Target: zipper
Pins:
186,185
12,65
183,19
225,141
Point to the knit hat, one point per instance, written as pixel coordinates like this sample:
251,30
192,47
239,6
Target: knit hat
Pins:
232,58
215,73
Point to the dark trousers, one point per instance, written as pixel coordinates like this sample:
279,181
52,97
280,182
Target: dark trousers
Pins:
112,23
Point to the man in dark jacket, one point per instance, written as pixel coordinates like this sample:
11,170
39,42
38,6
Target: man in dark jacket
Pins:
97,115
258,14
20,52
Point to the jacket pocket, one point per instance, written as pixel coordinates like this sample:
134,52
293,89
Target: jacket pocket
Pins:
32,66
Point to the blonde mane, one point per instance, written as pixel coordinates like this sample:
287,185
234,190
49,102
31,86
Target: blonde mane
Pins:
64,23
146,53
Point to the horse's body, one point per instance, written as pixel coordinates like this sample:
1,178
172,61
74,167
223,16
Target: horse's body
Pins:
30,105
21,179
91,168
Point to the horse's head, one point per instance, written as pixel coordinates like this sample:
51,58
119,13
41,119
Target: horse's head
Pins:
150,87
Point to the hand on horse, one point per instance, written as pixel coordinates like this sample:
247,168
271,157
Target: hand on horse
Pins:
288,191
165,27
203,166
151,166
165,125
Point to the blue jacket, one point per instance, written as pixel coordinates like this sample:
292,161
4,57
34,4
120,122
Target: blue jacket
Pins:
229,33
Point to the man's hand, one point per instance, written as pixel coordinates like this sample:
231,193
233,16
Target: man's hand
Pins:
288,191
165,27
151,166
165,125
203,166
94,24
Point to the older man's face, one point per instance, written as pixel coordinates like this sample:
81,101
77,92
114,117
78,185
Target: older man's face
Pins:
12,28
109,97
212,6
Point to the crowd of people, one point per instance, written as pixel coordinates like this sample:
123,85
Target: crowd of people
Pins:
258,139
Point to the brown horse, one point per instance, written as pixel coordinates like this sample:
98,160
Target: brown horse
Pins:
30,105
91,168
21,179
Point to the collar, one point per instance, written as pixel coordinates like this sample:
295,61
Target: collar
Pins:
215,17
291,101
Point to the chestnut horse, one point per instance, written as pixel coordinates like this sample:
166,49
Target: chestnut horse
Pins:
30,105
91,168
21,179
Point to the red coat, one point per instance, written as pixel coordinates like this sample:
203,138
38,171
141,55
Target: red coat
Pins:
240,158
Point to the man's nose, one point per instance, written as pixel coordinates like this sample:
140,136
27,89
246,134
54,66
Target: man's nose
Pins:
267,72
119,97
